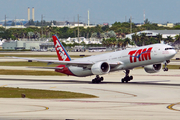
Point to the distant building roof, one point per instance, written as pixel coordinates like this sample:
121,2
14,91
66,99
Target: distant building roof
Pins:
164,33
17,22
67,23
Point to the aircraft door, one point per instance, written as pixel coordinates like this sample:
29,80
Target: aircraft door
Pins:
157,52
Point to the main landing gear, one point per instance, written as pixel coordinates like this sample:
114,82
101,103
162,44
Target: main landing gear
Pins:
127,78
165,65
97,79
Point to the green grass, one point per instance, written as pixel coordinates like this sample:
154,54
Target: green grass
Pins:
169,67
43,73
30,72
6,92
23,55
31,56
173,66
24,63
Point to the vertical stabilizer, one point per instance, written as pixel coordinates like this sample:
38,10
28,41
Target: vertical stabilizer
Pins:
61,52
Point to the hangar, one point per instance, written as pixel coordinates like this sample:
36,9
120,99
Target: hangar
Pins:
15,45
154,33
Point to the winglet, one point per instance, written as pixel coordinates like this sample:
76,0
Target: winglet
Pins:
61,52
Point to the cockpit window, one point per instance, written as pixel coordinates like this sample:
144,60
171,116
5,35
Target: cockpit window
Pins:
169,48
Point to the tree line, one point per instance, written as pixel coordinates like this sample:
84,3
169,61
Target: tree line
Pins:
111,35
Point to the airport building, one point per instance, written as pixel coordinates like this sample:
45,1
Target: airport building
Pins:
28,45
44,45
153,33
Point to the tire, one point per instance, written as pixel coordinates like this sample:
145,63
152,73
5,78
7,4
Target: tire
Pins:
131,77
165,69
122,80
98,80
93,81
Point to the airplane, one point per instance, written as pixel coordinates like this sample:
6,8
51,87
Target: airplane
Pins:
151,57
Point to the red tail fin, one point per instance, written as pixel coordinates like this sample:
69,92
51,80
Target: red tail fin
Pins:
61,52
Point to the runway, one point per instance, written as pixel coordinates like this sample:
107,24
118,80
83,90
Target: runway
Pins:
148,96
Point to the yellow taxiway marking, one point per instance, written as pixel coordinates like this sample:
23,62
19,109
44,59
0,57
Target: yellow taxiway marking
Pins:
46,108
172,105
3,85
52,87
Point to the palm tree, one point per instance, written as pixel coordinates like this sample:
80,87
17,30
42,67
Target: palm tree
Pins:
135,38
114,42
126,42
104,42
159,37
168,39
120,43
177,40
110,41
143,37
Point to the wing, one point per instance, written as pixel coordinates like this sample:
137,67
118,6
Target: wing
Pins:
73,63
58,68
69,63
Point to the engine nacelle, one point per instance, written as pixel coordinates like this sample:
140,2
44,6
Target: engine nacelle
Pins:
152,68
100,68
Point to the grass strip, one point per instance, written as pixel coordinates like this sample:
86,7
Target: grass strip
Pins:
31,56
30,72
24,63
169,67
41,64
6,92
173,66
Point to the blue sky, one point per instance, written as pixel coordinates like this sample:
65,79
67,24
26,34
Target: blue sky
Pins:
101,11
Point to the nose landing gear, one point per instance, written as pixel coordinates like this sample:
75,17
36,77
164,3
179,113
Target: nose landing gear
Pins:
165,65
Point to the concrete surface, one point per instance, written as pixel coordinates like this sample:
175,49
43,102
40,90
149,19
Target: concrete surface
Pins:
148,96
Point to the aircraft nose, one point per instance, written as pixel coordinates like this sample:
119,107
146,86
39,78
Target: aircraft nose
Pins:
172,53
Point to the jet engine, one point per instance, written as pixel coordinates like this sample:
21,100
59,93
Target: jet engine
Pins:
100,68
152,68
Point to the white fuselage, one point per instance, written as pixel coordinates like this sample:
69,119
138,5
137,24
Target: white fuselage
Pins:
129,58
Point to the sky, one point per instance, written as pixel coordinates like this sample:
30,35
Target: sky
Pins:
100,11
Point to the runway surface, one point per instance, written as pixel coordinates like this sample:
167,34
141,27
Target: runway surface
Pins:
148,96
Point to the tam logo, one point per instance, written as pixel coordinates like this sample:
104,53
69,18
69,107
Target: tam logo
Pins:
141,55
61,51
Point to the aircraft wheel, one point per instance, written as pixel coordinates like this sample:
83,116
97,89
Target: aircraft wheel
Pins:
96,80
127,78
131,77
93,80
165,69
122,80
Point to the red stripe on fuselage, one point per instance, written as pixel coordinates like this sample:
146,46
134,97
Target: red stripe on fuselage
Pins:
65,70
